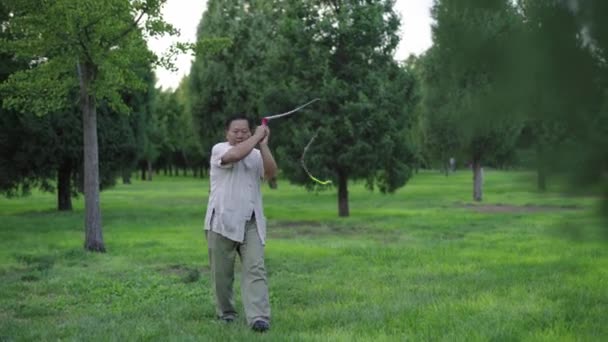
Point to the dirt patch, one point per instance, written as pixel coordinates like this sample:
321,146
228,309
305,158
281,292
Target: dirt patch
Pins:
186,273
296,224
294,229
508,208
316,229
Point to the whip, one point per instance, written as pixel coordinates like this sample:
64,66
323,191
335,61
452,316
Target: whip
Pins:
265,121
276,116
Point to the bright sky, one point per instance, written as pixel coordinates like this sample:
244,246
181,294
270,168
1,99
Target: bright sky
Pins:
186,14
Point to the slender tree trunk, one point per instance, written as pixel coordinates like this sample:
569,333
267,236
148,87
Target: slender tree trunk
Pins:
93,234
186,163
542,178
343,195
126,176
149,164
477,181
541,168
64,193
143,172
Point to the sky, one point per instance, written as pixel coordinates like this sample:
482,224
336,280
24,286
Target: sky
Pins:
186,14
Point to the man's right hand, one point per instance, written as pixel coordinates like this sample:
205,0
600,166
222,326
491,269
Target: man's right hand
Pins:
260,132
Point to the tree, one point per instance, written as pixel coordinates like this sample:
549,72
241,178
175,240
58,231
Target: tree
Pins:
46,151
441,138
179,147
191,148
226,83
565,80
87,43
466,95
286,52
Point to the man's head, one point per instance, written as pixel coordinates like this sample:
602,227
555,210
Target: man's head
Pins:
238,129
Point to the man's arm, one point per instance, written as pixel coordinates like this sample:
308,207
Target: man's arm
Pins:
240,151
270,166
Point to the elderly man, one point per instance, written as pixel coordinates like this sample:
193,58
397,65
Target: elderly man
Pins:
235,221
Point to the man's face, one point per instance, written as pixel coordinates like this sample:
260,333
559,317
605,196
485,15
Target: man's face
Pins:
238,132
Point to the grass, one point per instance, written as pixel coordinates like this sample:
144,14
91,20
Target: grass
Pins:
421,264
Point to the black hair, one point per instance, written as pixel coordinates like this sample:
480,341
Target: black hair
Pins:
237,117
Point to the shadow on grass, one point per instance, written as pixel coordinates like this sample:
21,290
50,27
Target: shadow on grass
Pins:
46,213
187,274
313,229
508,208
33,267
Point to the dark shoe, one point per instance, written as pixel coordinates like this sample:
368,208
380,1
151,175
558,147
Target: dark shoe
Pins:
260,326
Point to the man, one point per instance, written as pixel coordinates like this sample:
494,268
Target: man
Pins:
235,222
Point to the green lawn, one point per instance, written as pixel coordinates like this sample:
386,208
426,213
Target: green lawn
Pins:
422,264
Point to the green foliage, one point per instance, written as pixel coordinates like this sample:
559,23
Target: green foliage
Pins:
55,36
178,146
528,73
35,148
285,53
47,50
228,81
466,98
564,81
364,111
191,148
105,39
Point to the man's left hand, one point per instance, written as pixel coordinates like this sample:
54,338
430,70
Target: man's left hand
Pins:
265,140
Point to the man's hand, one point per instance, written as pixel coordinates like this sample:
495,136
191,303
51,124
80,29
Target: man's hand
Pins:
242,149
264,140
270,166
261,132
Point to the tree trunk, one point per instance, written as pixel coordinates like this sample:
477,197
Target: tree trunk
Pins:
477,181
343,195
64,193
149,164
126,176
542,178
541,169
93,236
143,172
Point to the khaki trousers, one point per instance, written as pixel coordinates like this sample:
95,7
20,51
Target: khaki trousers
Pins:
254,286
